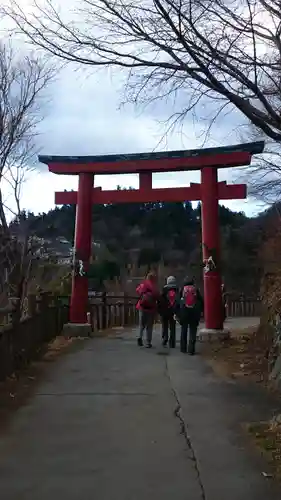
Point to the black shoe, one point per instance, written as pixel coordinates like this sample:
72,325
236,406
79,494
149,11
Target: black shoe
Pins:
140,342
172,345
164,343
184,351
191,353
148,346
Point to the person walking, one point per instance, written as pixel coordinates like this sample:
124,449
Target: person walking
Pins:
167,310
191,308
147,306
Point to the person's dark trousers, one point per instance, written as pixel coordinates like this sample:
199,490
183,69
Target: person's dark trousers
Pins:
169,325
191,328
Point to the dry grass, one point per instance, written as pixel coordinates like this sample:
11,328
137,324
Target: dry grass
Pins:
240,356
267,436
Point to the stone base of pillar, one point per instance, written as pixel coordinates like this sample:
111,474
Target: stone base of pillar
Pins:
77,330
211,335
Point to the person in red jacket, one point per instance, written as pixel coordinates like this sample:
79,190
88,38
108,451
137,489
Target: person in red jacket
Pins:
147,306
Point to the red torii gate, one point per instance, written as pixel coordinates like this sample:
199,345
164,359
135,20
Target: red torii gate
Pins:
209,192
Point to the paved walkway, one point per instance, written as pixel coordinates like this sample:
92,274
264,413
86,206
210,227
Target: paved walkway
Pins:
117,422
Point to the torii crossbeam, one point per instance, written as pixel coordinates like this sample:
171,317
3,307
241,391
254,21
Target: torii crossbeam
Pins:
209,192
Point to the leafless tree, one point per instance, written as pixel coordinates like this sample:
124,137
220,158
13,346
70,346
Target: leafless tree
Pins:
263,177
224,51
23,80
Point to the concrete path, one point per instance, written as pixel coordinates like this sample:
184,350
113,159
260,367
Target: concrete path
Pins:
117,422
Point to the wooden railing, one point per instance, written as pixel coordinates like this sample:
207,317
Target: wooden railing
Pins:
118,310
243,307
112,314
108,310
237,306
42,320
21,342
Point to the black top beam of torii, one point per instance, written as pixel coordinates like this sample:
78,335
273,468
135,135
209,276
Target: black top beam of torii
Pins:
250,147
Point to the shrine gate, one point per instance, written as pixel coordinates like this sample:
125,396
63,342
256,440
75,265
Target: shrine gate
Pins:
209,192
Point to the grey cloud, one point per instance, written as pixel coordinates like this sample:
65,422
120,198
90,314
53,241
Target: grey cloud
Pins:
84,119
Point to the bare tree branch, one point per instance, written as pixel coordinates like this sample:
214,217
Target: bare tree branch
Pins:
211,48
265,176
22,82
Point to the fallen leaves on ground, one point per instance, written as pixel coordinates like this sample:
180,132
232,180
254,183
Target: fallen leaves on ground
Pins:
58,345
243,355
267,436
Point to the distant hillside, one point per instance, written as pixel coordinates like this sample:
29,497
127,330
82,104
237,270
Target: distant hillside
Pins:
143,235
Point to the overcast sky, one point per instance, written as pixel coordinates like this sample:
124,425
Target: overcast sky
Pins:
84,118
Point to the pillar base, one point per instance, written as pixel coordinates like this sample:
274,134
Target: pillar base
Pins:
77,330
212,334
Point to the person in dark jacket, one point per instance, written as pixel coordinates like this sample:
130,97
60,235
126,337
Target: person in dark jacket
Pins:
191,308
167,310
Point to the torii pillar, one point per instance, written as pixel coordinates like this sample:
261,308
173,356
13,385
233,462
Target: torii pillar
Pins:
209,192
213,309
82,248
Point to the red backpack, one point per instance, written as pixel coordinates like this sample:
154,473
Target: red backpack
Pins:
171,296
189,296
147,300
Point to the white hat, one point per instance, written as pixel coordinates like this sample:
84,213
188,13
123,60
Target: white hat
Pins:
171,280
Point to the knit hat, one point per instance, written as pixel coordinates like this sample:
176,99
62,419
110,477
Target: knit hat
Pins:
171,281
188,281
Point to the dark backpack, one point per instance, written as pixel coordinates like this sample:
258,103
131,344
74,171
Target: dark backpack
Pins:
189,296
